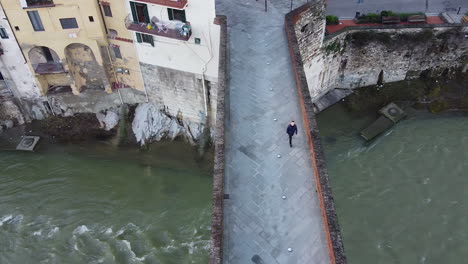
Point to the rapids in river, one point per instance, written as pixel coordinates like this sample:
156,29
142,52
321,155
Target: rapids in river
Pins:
95,203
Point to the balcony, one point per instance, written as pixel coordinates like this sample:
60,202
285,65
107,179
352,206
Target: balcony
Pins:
36,3
171,29
48,68
177,4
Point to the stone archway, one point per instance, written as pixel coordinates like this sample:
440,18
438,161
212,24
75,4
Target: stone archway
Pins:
45,60
84,69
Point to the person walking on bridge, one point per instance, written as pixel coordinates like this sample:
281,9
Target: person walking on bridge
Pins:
292,128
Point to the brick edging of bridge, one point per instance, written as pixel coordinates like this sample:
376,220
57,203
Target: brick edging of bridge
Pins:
216,237
326,201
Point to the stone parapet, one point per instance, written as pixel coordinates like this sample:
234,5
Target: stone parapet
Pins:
216,238
329,216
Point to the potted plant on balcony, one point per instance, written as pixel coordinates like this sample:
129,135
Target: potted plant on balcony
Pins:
185,30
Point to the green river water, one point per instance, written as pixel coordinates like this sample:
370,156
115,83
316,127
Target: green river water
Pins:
99,204
401,198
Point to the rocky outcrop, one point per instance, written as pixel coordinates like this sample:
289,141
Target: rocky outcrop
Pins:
10,115
152,124
108,119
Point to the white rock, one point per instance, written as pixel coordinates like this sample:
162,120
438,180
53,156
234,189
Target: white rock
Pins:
9,111
8,123
68,112
109,120
150,123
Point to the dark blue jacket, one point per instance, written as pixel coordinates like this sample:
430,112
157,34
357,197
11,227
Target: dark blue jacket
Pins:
291,130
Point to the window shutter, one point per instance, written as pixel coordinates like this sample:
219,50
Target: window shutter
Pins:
138,36
183,16
170,14
134,13
147,18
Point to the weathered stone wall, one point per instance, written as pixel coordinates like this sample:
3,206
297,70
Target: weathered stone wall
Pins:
357,56
180,93
84,68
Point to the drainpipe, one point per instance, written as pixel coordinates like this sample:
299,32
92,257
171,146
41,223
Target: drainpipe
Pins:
113,71
107,49
204,69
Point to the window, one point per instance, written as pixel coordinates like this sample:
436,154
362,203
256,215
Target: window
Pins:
68,23
139,12
3,33
112,32
145,38
197,41
116,50
16,28
175,14
35,21
47,54
107,10
91,19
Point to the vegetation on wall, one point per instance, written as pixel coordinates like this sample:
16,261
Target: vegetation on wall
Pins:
435,93
363,38
333,47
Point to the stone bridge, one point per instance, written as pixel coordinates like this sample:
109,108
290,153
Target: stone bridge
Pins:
271,203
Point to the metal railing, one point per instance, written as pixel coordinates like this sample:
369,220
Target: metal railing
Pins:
170,29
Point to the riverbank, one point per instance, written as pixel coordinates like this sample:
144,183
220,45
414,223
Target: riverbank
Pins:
400,198
433,94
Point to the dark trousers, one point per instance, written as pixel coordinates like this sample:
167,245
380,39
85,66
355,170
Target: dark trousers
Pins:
290,139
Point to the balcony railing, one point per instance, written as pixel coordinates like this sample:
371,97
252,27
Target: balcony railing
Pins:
48,68
178,4
36,3
172,29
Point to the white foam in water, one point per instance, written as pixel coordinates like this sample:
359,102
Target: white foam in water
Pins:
80,230
119,232
52,232
5,219
37,233
108,231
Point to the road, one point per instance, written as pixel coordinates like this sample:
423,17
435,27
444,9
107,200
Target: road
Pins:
348,8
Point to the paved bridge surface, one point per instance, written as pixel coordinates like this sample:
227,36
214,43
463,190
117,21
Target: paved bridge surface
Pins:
260,226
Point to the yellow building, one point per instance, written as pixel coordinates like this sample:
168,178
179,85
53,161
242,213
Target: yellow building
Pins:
72,46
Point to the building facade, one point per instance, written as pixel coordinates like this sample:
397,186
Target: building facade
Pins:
69,48
164,52
177,43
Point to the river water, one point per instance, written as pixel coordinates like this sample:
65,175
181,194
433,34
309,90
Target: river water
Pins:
401,198
94,203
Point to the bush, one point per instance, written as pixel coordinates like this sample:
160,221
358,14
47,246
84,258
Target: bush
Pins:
386,13
332,20
377,18
369,18
404,16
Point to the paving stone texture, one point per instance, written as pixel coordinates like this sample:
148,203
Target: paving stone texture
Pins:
260,226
